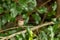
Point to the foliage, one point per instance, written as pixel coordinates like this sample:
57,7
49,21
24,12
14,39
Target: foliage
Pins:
11,9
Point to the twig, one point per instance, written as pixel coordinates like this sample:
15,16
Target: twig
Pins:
14,28
45,3
8,29
31,28
44,18
1,37
25,26
45,15
34,28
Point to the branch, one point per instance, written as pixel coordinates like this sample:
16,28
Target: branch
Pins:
39,6
44,18
45,3
34,28
14,28
45,15
1,37
25,26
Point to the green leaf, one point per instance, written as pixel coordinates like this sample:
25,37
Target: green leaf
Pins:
12,31
26,20
4,20
42,10
19,37
22,2
30,34
1,10
54,20
23,36
19,9
56,38
14,12
36,18
43,36
28,5
7,17
26,17
32,4
54,6
51,13
51,32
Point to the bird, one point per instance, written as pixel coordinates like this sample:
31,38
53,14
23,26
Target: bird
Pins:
20,20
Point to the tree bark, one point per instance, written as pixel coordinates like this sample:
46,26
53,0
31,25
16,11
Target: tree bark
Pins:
58,8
